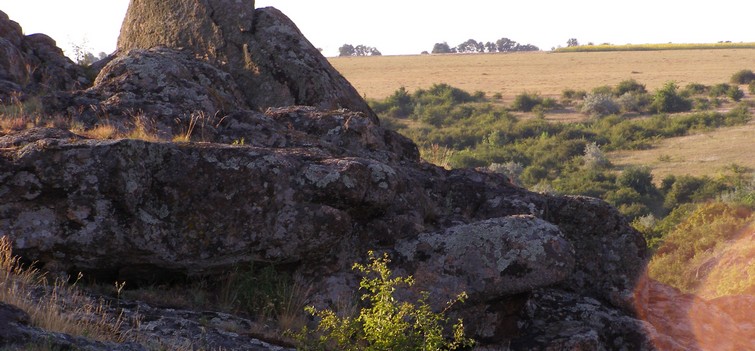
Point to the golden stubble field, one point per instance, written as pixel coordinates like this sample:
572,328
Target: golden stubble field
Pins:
707,153
550,73
541,72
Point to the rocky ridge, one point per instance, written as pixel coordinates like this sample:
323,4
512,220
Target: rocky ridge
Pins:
311,188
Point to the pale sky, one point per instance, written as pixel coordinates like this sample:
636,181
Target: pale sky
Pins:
397,27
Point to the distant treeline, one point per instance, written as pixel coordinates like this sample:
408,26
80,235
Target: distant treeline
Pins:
653,47
472,46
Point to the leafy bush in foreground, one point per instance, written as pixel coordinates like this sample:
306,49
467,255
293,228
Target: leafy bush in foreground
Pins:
385,324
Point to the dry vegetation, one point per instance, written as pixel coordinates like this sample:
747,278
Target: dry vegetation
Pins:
698,155
54,306
549,74
376,77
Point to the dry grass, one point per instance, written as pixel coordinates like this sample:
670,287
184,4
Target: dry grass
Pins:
547,73
699,154
59,307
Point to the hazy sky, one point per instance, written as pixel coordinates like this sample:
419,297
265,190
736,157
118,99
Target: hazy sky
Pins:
412,26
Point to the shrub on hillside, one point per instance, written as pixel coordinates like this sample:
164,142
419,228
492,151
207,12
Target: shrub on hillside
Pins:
633,102
694,89
603,89
735,93
444,94
600,105
569,95
629,86
667,99
731,91
594,158
686,189
399,105
751,87
638,178
744,76
525,101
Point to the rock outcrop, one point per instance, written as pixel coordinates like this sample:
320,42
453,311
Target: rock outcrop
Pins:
169,87
154,211
33,64
310,188
271,61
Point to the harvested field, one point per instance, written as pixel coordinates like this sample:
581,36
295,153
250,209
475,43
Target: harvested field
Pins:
699,154
546,73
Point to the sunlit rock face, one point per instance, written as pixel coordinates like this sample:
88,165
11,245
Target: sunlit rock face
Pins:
271,61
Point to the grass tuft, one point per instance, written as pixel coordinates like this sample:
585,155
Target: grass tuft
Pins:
60,307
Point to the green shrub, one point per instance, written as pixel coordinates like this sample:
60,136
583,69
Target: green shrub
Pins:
569,95
731,91
385,324
701,104
687,189
744,76
525,101
605,89
444,94
735,93
633,102
594,157
751,87
667,99
719,90
600,105
629,86
695,89
401,102
638,178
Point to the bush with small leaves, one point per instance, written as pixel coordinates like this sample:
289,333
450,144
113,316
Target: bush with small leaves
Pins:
719,90
629,86
694,89
667,99
594,157
744,76
600,105
385,324
569,95
632,102
604,89
735,93
723,89
525,101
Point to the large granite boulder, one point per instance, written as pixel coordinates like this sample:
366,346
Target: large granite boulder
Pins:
267,55
170,88
157,211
